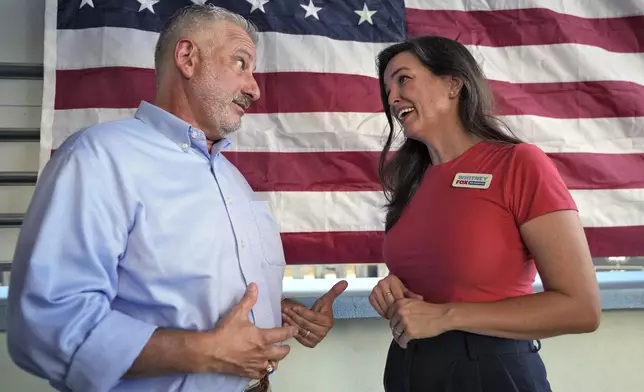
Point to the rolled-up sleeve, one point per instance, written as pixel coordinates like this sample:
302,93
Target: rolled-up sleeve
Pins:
61,326
107,352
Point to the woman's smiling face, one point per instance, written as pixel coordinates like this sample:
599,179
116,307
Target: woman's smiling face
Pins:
418,99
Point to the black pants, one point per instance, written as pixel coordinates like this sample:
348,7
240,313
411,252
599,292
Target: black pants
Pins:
463,362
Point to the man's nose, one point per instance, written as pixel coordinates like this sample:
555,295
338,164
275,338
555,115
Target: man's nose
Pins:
252,88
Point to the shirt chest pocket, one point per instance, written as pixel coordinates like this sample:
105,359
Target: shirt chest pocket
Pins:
270,242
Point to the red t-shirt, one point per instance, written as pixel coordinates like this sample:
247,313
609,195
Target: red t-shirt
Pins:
460,244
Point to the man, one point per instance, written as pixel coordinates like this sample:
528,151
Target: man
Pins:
145,261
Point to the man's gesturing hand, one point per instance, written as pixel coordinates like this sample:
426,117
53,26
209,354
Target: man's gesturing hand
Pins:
315,323
243,349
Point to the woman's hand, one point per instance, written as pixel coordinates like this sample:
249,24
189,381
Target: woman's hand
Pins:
386,292
412,318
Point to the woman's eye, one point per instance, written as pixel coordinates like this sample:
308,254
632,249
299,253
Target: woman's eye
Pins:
402,79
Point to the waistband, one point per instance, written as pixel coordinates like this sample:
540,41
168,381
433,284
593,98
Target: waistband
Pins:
477,346
451,346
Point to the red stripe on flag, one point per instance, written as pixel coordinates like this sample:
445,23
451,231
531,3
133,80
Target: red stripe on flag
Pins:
600,171
530,26
365,246
357,170
121,87
595,99
285,92
309,171
109,87
333,247
615,241
298,92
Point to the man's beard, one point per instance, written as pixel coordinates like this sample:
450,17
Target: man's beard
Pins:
228,127
216,102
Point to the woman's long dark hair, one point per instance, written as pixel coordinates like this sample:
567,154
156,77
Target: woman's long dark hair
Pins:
402,173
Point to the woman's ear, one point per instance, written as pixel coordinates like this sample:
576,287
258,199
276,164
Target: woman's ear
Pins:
455,85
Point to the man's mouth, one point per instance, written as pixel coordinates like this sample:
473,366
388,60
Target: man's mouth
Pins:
241,109
242,101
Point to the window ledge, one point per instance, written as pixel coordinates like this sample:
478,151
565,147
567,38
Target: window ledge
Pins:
619,290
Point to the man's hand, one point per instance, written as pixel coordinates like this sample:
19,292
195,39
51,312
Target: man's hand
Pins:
238,347
315,323
387,291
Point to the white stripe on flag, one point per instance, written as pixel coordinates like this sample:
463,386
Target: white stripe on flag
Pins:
593,135
609,208
105,47
318,211
69,121
539,63
313,132
110,46
557,63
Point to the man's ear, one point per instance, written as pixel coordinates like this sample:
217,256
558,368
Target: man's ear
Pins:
186,57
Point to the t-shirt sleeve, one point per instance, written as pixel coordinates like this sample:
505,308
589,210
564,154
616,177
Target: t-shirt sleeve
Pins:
535,185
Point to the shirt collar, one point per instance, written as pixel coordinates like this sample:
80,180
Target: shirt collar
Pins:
180,132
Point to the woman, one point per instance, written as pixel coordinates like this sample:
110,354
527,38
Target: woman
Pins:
473,213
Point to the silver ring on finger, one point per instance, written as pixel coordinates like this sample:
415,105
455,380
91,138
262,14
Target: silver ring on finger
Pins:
306,335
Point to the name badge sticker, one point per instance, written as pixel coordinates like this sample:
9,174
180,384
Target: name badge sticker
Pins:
472,180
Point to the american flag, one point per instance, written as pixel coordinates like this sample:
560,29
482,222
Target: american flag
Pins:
567,75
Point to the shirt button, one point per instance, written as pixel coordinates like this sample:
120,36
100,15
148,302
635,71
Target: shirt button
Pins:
193,133
242,244
184,146
229,200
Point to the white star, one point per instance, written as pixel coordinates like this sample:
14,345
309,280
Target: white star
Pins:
257,5
200,2
365,14
147,4
88,2
311,10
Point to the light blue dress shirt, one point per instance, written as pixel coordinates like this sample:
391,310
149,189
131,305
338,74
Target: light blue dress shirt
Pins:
134,225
